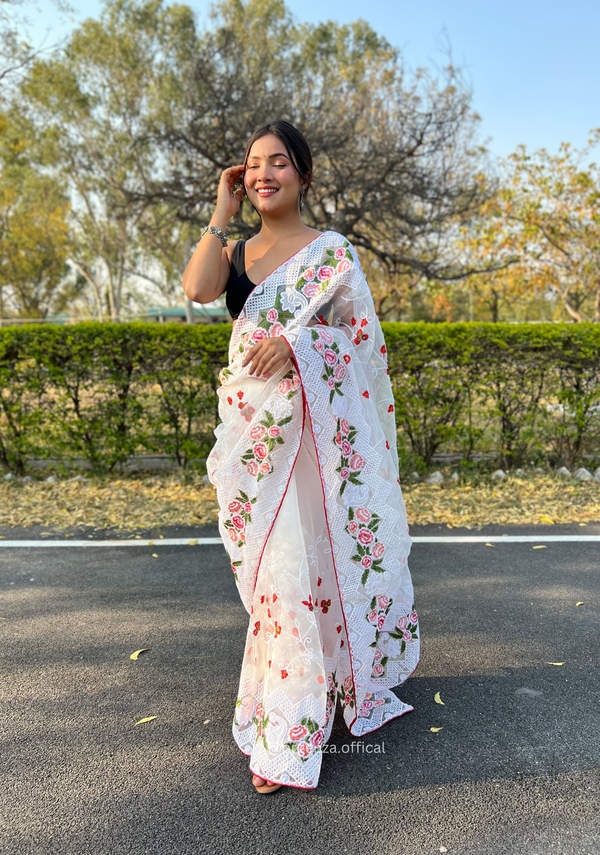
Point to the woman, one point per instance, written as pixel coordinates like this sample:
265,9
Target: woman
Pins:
305,468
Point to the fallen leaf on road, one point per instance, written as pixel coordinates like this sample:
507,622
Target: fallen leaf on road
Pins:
538,547
438,700
137,652
580,603
142,720
154,555
546,519
435,729
555,663
192,542
490,544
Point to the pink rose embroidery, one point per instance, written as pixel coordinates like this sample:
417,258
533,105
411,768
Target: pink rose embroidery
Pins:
233,507
338,438
365,536
378,654
381,622
339,372
340,253
343,266
356,462
326,336
274,430
346,448
325,272
258,334
373,616
303,749
353,527
367,705
382,601
378,671
276,330
265,467
309,274
366,561
365,517
330,357
310,289
345,426
407,636
414,617
317,738
260,450
272,315
247,507
345,472
238,522
297,732
319,345
285,386
257,432
402,623
331,383
378,550
252,467
232,534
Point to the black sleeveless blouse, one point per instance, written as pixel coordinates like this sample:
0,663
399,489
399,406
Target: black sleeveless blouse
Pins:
238,285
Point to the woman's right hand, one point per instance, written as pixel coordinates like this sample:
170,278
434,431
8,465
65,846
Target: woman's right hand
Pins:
228,202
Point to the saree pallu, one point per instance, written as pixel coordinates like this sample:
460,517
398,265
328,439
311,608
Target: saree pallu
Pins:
305,469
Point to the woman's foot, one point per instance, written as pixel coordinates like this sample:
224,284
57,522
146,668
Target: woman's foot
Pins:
262,785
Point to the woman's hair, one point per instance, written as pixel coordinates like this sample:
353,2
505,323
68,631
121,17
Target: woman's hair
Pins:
294,142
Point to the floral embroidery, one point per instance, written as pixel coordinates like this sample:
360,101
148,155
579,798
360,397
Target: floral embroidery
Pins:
332,690
362,526
266,434
307,738
240,510
360,335
289,384
325,604
405,632
261,723
378,611
349,698
328,349
406,629
351,462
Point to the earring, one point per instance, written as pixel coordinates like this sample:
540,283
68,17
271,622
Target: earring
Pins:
301,198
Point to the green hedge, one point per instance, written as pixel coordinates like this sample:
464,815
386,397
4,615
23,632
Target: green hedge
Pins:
106,391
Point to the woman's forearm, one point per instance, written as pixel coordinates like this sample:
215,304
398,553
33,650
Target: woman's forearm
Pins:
201,276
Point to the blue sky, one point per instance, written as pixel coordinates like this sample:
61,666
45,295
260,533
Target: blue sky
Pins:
534,66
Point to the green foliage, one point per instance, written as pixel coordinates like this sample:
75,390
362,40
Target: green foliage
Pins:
106,391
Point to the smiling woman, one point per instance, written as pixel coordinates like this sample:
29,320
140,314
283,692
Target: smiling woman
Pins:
305,469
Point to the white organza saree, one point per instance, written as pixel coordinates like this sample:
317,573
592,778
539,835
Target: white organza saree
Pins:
305,468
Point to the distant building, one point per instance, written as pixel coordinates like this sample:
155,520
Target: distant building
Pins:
203,315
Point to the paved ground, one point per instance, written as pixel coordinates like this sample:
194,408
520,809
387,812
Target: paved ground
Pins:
515,769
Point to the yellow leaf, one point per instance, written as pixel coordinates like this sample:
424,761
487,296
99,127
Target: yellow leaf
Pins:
490,544
538,547
583,524
142,720
449,525
555,663
438,700
137,652
192,542
150,543
580,603
435,729
154,555
68,535
546,519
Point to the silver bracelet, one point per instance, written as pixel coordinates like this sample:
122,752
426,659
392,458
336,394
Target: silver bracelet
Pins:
215,230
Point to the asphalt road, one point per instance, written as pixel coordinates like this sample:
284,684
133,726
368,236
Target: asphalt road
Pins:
515,768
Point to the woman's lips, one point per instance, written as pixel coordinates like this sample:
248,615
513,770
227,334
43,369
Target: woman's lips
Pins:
267,191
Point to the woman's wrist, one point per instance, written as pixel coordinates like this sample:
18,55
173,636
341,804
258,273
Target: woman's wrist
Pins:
219,220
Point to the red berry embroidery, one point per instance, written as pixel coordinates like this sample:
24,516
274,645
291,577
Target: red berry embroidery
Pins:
274,597
230,401
284,673
353,321
383,348
339,627
325,606
240,395
319,580
366,393
391,408
387,445
270,663
346,358
256,627
363,322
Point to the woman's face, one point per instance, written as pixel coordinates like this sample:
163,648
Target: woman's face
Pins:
272,183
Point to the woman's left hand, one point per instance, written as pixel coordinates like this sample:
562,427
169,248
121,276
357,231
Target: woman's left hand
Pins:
268,356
